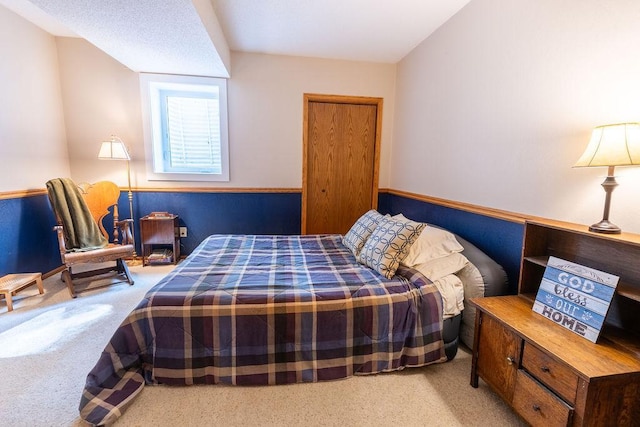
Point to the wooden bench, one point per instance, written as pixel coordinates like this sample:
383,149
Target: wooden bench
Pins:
12,283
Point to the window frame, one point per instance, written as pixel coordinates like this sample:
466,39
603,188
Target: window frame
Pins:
151,85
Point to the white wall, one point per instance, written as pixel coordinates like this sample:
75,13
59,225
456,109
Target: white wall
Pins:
32,133
495,107
266,109
265,93
101,97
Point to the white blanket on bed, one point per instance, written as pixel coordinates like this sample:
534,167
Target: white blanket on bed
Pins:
452,292
442,272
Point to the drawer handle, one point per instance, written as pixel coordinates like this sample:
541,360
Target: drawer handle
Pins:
545,369
511,360
536,408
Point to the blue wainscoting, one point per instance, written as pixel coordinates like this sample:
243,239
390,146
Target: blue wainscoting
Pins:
500,239
27,242
228,213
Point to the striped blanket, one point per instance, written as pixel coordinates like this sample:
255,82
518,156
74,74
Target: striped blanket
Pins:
257,310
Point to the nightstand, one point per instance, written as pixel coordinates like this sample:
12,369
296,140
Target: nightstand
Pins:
549,375
160,238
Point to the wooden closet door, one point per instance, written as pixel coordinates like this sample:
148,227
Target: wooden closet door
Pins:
341,155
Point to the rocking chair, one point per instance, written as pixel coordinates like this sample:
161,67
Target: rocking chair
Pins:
82,237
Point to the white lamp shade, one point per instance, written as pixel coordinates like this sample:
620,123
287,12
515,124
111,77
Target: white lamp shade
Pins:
113,150
612,145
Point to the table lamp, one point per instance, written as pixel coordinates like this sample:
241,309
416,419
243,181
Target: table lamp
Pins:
611,146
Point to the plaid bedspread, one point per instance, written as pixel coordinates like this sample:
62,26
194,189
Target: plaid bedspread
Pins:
255,310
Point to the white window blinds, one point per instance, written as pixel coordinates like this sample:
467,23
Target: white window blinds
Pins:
191,134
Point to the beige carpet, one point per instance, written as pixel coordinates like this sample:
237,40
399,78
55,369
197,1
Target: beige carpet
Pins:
49,343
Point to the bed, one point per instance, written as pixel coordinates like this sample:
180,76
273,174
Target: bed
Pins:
269,309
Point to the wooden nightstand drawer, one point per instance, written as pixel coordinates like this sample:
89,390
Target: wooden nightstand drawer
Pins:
555,375
537,405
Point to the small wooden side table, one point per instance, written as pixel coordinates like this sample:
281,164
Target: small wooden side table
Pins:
159,229
12,283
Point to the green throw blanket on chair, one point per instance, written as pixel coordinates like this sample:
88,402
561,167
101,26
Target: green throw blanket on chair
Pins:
81,231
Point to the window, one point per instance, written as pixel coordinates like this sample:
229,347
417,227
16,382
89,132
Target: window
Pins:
185,126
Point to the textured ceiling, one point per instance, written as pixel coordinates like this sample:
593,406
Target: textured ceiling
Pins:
194,37
167,36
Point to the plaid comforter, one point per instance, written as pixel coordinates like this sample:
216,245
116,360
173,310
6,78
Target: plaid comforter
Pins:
255,310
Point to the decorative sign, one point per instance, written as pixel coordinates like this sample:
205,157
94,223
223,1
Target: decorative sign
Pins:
575,297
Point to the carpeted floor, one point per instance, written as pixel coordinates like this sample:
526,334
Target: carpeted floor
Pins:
49,343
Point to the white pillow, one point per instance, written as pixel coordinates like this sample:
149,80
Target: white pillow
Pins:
440,267
432,243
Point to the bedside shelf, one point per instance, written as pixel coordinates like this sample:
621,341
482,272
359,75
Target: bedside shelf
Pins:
160,232
623,289
628,291
548,374
538,260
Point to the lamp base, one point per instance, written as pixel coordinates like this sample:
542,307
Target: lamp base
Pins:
606,227
135,261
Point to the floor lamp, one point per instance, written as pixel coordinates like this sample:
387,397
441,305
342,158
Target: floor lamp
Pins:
611,146
114,149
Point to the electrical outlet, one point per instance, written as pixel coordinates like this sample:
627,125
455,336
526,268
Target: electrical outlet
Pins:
183,231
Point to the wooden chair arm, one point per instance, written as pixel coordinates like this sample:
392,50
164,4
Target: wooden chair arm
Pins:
61,243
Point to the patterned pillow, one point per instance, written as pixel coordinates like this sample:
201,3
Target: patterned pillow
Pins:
360,231
389,244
